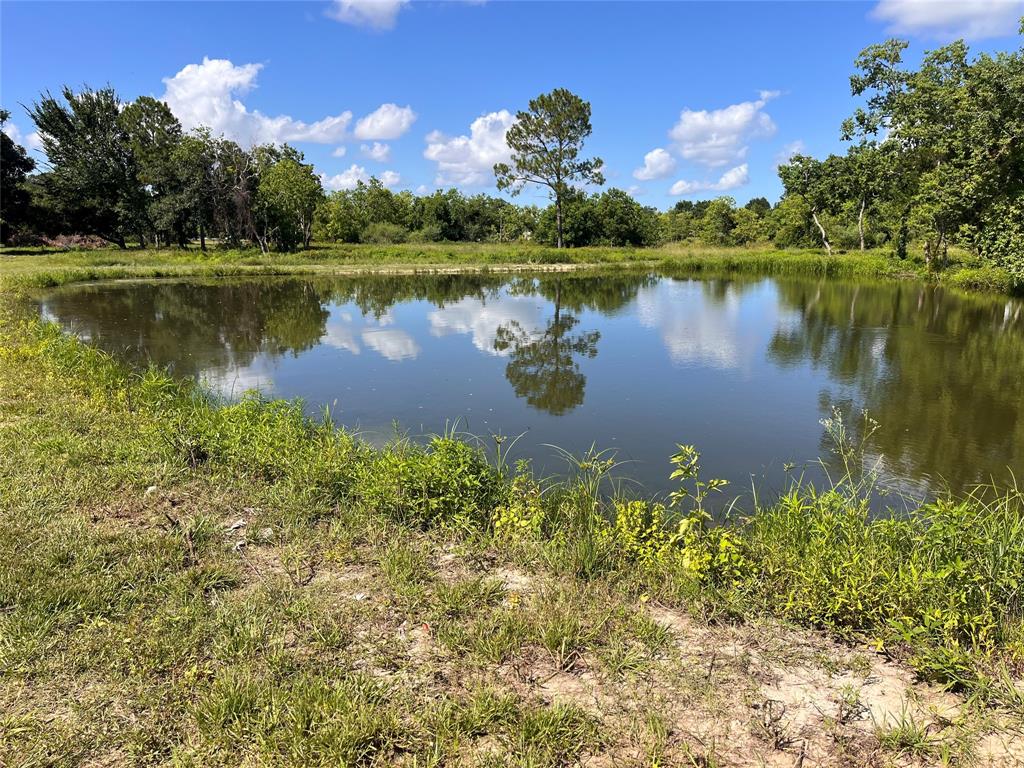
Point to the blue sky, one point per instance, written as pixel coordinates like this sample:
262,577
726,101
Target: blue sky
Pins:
689,99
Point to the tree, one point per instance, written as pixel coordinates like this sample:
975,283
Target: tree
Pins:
958,127
291,189
624,221
748,227
718,222
15,164
153,134
581,225
864,176
94,176
546,142
791,224
234,181
195,159
338,218
759,206
816,182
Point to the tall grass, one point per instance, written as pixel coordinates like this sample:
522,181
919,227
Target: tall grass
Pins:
27,270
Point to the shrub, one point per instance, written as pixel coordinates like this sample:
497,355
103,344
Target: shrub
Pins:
447,483
382,233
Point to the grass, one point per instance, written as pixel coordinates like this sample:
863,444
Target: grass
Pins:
192,582
28,269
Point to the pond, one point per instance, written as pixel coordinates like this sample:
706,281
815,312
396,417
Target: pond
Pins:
744,368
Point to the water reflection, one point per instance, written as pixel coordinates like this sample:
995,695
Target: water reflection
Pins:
945,367
543,367
703,323
744,368
481,319
195,328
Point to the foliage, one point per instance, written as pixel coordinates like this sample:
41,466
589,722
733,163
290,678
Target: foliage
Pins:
292,191
14,199
94,178
447,483
935,164
546,141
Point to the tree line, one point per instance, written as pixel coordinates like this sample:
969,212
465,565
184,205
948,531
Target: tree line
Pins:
936,158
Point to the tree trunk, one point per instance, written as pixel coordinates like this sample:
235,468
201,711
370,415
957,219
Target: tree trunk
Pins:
860,223
202,236
558,217
307,232
821,229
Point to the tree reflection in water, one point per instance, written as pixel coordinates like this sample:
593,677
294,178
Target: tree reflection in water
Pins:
925,362
543,367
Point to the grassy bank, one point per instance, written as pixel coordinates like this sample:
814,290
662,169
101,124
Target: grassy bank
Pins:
38,269
190,582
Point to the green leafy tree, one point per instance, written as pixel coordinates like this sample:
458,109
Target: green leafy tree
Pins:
864,175
154,134
291,192
94,173
581,225
958,127
748,227
759,206
624,221
15,164
816,182
546,141
195,158
339,218
718,222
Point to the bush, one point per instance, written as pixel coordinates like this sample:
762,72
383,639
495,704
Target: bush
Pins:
448,483
382,233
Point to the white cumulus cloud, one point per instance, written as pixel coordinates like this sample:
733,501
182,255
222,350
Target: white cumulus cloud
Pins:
949,19
390,178
376,14
207,94
377,151
388,121
731,179
30,141
394,343
718,137
657,165
347,179
694,332
469,160
351,176
482,319
339,152
785,154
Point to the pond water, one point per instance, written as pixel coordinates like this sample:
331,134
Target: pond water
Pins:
744,368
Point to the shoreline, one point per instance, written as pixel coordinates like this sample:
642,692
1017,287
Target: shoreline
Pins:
26,272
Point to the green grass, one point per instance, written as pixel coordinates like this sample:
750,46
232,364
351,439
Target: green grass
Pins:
36,268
